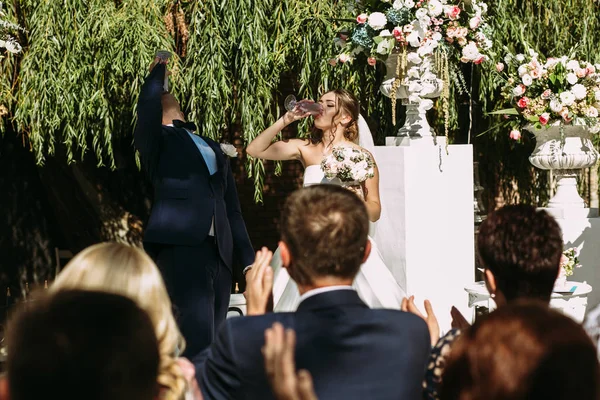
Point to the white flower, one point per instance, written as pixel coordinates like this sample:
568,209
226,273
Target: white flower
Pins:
385,46
591,112
520,57
398,4
435,8
475,22
470,52
567,98
413,39
421,12
579,91
571,78
522,70
573,65
377,21
229,149
518,90
532,53
597,95
385,32
413,58
409,3
437,36
555,105
527,80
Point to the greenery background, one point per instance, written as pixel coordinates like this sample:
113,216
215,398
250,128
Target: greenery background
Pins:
68,171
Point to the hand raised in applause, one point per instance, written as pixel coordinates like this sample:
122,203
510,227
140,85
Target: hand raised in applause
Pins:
408,305
278,351
259,283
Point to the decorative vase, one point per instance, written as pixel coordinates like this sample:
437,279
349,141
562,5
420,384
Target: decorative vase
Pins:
565,155
415,124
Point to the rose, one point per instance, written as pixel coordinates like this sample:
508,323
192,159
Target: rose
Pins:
573,65
479,59
452,12
515,134
522,70
371,61
474,22
567,98
555,105
397,4
544,118
470,52
523,102
564,113
546,94
527,80
397,32
362,18
409,3
571,78
435,8
377,20
581,72
591,112
579,91
499,67
519,90
421,12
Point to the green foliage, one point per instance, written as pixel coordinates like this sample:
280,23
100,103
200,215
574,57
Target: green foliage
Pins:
81,72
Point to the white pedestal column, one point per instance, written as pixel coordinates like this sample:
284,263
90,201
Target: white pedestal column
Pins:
581,228
429,199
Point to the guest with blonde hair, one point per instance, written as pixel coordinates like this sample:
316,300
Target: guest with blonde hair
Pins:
128,271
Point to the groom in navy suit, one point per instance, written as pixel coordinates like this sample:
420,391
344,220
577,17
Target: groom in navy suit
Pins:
195,233
351,351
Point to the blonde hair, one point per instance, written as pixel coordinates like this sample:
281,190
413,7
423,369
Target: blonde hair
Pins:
128,271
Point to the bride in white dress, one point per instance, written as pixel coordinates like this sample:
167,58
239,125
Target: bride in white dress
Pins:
337,125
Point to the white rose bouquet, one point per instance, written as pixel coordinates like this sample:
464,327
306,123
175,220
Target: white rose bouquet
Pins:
348,164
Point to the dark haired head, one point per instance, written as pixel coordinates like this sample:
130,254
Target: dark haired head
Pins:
325,228
522,351
521,247
81,344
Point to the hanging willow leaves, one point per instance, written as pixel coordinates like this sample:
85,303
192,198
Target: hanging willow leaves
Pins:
80,75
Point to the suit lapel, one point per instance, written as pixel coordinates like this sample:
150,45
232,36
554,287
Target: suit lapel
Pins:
218,152
190,145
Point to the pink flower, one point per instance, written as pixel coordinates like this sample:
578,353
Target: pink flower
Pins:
479,59
564,113
499,67
474,22
371,61
332,62
523,102
544,118
397,32
581,72
590,69
362,18
453,12
343,58
515,134
547,93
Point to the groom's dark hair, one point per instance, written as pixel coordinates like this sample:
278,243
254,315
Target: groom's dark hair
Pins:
326,229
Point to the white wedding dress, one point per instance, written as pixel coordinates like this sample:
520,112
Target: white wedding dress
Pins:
374,283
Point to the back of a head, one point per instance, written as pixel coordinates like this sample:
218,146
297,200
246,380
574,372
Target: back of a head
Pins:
326,229
82,345
522,351
522,247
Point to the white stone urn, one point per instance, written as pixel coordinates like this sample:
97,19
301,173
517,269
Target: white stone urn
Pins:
565,159
416,124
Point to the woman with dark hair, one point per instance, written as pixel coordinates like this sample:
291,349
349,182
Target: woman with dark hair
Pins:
520,249
522,351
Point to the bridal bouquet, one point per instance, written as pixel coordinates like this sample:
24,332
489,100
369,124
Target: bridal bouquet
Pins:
455,26
348,164
550,91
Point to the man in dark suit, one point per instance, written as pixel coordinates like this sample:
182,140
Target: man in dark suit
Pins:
351,351
195,233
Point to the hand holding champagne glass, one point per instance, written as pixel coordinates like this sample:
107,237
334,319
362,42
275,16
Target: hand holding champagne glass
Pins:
301,109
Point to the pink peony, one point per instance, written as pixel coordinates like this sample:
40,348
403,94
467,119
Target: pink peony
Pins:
515,134
453,12
547,93
499,67
479,59
397,32
590,69
564,113
581,72
343,58
523,102
475,22
544,118
371,61
362,18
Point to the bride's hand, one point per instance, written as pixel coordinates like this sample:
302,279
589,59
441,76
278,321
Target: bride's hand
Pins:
297,113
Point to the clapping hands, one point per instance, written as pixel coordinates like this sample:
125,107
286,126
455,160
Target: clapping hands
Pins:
259,283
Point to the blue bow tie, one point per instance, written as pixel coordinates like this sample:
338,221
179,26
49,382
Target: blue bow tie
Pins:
190,126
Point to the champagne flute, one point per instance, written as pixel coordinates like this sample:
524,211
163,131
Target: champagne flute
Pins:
290,104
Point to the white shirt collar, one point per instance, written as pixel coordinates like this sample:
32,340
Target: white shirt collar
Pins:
325,289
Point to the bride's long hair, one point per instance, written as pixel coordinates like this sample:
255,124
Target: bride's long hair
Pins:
346,103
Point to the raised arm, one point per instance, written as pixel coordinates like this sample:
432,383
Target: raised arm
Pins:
149,112
263,147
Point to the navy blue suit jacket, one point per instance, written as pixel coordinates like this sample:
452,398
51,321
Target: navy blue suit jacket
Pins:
186,196
352,351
